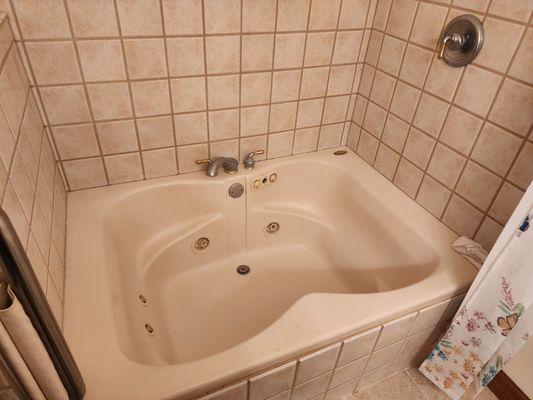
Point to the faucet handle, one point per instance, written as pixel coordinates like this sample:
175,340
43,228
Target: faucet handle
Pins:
203,161
249,161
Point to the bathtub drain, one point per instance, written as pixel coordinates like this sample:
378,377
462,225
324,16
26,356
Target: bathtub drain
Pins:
149,329
243,269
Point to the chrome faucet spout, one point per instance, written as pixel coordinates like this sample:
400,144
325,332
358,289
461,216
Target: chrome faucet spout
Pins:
229,164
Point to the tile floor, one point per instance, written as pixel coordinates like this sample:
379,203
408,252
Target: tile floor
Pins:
408,385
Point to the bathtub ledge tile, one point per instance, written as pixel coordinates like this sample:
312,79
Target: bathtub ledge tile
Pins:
358,346
395,330
312,388
341,391
373,377
384,356
430,316
348,372
272,382
317,363
234,392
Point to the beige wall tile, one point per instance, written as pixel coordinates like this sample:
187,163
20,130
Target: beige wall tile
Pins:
374,119
433,196
408,177
282,117
505,203
223,91
75,141
85,173
477,5
330,136
488,233
401,18
280,144
353,14
13,91
317,363
65,104
124,168
314,82
272,382
191,128
117,136
341,79
237,392
405,101
255,88
395,132
305,140
477,90
374,48
185,56
382,89
309,113
188,94
367,147
428,24
151,98
224,148
520,9
442,79
335,109
382,357
522,171
496,149
257,52
156,132
347,47
292,15
139,18
53,62
223,124
446,165
254,120
391,56
187,156
102,60
521,66
223,53
145,58
289,50
415,65
285,85
182,17
381,14
460,130
311,388
418,148
324,14
109,100
222,16
94,18
161,162
430,114
512,108
348,372
386,161
253,143
258,15
478,185
42,20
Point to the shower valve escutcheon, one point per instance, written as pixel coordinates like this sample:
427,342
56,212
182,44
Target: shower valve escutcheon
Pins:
461,40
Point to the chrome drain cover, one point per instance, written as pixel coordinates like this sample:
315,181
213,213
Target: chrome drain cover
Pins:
243,269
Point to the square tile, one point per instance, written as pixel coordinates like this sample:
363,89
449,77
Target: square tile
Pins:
391,55
374,119
395,330
521,66
374,47
416,65
428,24
253,143
367,77
42,20
429,316
257,52
335,109
348,372
442,80
280,144
520,10
367,147
151,98
405,101
117,136
478,185
305,140
258,15
311,388
183,17
433,196
109,100
401,18
187,156
93,18
188,94
418,148
353,14
408,177
65,104
462,217
185,56
460,130
384,356
53,62
85,173
272,382
382,89
139,18
254,120
522,171
309,113
145,58
372,377
324,14
255,88
101,60
347,47
386,161
223,91
191,128
156,132
292,15
282,116
430,114
222,16
446,165
477,90
75,141
289,50
496,149
319,48
488,233
161,162
378,14
330,136
285,85
505,203
233,392
223,124
341,391
512,108
224,148
223,53
395,132
314,82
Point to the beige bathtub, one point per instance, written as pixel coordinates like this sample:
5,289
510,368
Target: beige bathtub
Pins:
351,253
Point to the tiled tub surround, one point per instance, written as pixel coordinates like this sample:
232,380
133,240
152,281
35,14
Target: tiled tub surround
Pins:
140,89
457,140
350,365
31,188
352,253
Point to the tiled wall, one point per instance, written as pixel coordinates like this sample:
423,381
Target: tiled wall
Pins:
137,89
31,188
458,140
349,365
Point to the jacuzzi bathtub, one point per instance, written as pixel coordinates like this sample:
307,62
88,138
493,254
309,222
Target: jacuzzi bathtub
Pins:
150,316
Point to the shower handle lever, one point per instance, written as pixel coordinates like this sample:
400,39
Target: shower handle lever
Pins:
453,40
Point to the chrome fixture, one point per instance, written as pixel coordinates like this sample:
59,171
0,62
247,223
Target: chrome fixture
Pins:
340,152
143,300
236,190
229,164
149,329
201,243
243,269
272,227
461,40
249,161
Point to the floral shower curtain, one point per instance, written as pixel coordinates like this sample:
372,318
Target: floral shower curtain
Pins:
496,316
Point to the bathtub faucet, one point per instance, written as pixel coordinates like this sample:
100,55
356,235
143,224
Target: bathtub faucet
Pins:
229,164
